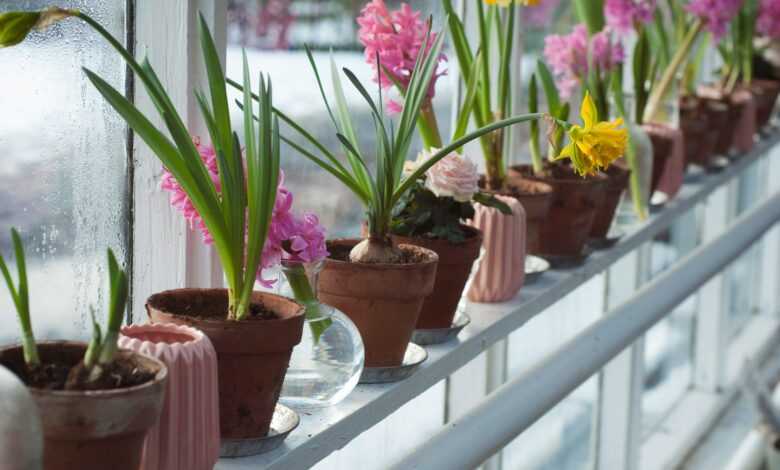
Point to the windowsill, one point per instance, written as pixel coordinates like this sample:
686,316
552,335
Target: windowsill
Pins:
324,431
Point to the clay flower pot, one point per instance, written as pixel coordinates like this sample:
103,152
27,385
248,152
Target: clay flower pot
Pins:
187,434
729,133
567,227
383,300
96,429
252,354
455,263
617,182
698,121
746,125
765,93
536,198
501,272
668,158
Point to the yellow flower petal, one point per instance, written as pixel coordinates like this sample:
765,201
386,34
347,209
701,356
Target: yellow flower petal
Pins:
588,111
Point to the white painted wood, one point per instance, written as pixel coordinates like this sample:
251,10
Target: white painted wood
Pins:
770,279
165,254
711,325
322,432
618,420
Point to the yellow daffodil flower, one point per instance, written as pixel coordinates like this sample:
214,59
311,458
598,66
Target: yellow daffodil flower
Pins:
505,3
595,145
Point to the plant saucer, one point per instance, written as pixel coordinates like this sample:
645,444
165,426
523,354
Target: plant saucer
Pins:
415,355
613,236
427,336
534,268
718,164
568,261
283,423
658,200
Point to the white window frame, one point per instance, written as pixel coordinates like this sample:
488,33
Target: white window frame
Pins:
166,254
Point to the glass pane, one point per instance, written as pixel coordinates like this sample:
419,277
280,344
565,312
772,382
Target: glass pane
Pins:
63,173
273,34
562,438
669,344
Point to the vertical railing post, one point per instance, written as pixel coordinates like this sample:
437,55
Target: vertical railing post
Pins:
618,418
713,305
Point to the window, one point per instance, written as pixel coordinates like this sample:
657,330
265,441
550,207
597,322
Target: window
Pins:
63,180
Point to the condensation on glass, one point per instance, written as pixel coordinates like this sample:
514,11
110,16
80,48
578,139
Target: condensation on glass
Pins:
64,168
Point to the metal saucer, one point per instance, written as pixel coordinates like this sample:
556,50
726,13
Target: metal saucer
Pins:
534,268
613,236
415,355
427,336
568,261
658,200
718,164
282,424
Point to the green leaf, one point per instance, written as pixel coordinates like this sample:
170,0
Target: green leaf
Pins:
490,200
468,100
16,25
548,85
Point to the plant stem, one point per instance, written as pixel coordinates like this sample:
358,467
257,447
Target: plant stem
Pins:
662,87
429,127
634,182
304,293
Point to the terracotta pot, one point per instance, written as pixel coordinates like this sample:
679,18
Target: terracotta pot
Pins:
455,263
573,211
765,92
501,272
252,354
668,158
96,429
617,182
383,300
744,134
697,125
536,198
187,433
725,138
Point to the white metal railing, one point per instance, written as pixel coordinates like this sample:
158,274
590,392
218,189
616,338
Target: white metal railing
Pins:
323,432
467,442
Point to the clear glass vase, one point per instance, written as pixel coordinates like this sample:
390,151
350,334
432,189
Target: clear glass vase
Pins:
326,366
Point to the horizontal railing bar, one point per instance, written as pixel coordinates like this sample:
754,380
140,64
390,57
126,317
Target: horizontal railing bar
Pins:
323,431
516,405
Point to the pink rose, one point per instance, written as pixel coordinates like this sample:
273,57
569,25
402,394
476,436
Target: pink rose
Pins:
452,176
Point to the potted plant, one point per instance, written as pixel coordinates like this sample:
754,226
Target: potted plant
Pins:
489,98
768,26
432,215
578,201
379,284
252,332
96,401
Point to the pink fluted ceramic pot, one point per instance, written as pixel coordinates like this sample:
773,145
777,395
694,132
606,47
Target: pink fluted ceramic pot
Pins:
669,169
187,435
502,270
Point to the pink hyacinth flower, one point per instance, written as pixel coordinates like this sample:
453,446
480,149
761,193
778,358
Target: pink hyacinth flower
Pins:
624,15
289,236
768,22
567,56
397,38
716,14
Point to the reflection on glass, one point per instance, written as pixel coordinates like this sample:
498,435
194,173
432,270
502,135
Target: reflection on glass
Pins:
63,172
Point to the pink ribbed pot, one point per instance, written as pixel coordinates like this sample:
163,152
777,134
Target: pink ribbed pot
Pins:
746,126
502,270
187,435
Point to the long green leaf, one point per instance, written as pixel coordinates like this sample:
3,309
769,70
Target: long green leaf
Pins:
468,100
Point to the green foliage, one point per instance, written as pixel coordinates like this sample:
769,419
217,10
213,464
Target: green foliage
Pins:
21,298
422,214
